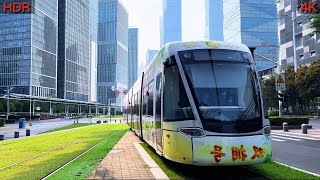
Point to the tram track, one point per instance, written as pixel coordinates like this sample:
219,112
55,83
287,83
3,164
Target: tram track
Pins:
61,147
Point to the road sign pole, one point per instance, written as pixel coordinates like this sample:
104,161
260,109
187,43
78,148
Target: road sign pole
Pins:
280,86
280,106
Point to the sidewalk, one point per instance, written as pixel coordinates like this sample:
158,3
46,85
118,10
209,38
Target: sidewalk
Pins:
123,162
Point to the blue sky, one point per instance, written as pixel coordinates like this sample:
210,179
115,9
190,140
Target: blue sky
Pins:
145,15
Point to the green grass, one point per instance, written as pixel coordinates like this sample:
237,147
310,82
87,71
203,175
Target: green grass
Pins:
68,144
181,171
72,126
84,166
112,116
277,171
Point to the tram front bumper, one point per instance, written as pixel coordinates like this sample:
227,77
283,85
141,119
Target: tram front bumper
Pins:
217,150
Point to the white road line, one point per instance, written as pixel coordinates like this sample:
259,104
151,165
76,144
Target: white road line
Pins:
280,140
287,138
296,136
308,172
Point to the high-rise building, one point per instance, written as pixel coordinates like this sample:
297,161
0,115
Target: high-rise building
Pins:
253,23
112,52
307,41
133,56
74,50
151,54
214,20
28,50
170,21
93,50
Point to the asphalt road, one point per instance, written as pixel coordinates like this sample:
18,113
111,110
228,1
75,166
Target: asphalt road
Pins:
300,151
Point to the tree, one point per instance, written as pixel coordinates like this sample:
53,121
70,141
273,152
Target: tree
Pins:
291,87
315,23
269,92
313,81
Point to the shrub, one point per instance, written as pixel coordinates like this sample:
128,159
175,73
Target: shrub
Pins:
273,113
277,121
2,122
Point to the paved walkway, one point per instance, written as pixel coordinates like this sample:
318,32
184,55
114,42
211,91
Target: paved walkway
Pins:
123,162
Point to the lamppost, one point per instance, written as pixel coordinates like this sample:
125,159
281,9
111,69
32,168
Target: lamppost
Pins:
8,102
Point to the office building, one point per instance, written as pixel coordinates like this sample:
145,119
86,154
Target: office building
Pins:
28,50
214,20
253,23
93,50
307,42
170,22
132,56
74,50
151,54
112,52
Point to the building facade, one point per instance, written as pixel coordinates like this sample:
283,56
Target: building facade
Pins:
170,22
214,20
150,55
132,56
112,52
307,42
28,50
93,50
253,23
74,50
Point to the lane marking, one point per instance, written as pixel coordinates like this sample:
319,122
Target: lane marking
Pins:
296,136
280,140
305,171
287,138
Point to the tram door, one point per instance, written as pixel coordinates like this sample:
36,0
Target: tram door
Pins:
158,112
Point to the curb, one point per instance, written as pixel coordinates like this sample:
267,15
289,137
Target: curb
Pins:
301,170
154,168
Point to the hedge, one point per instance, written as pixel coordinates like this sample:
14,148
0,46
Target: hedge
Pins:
277,121
2,122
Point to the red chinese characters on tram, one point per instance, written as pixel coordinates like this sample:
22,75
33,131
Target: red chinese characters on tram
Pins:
217,152
238,153
258,152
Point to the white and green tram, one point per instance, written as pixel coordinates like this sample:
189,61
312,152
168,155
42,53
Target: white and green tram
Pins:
201,103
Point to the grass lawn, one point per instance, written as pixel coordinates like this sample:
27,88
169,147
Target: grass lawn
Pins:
269,170
54,150
112,116
69,127
84,166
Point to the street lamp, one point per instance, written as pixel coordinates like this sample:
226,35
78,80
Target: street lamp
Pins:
8,102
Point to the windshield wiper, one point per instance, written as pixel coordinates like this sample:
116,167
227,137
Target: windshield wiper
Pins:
246,112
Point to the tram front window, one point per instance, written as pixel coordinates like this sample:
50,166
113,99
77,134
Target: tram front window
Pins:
224,89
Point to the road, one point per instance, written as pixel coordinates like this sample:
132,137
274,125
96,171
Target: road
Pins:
40,126
298,150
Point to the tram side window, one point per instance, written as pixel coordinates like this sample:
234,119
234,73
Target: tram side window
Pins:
158,95
138,103
176,104
145,101
150,98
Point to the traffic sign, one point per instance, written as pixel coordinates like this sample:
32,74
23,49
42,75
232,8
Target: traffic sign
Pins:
280,82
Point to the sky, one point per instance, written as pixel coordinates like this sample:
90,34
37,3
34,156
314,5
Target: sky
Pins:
145,15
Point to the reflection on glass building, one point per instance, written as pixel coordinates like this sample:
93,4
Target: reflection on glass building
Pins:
112,52
133,56
73,50
93,50
170,22
151,54
214,20
28,50
253,23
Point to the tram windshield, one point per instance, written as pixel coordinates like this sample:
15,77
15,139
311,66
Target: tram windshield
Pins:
224,88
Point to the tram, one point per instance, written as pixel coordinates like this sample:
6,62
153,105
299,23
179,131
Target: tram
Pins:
200,103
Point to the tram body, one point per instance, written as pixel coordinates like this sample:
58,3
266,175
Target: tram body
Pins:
200,103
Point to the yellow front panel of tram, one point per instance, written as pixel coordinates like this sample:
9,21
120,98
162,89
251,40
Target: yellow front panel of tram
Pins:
177,147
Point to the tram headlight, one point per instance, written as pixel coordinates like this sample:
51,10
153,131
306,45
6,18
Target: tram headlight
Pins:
193,132
267,130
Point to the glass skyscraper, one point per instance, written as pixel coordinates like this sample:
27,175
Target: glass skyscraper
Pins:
151,54
93,50
253,23
133,56
74,50
28,50
170,22
112,52
214,20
